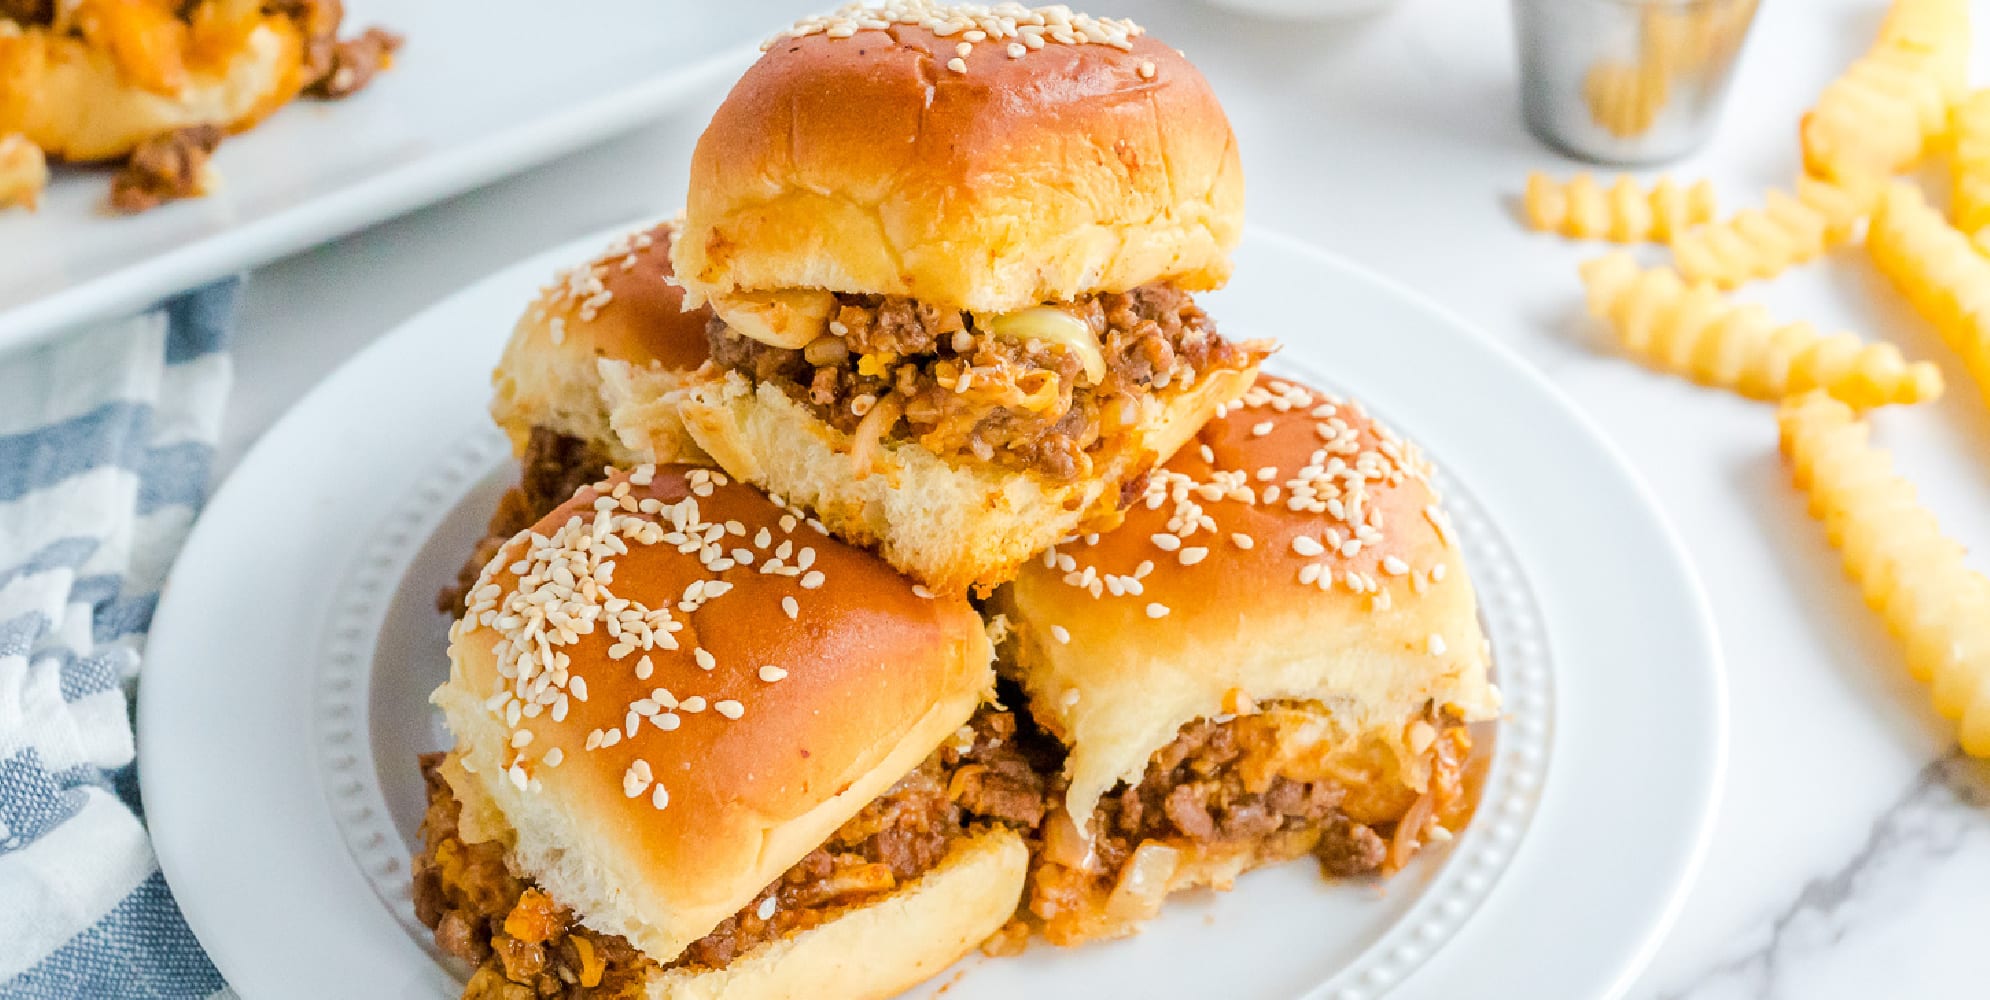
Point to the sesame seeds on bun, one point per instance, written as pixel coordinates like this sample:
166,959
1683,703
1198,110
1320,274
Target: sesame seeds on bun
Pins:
979,158
673,688
1295,549
614,324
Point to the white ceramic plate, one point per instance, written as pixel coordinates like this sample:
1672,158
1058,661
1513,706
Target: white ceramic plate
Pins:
284,701
483,89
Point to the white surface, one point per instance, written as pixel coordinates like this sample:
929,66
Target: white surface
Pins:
473,96
341,555
1852,847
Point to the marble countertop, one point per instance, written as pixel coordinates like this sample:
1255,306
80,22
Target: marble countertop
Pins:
1852,853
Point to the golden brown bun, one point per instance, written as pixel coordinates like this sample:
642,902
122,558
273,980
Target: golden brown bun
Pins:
950,525
1238,626
80,101
884,948
875,677
615,325
866,164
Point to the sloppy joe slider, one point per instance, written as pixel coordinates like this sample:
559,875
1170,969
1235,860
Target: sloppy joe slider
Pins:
1276,654
705,749
614,327
952,252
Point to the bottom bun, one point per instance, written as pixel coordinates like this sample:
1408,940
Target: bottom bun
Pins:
882,949
949,524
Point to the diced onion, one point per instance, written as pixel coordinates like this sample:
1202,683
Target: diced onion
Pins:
1065,844
1409,831
867,440
1143,883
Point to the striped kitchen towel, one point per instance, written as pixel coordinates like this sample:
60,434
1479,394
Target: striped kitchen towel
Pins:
105,441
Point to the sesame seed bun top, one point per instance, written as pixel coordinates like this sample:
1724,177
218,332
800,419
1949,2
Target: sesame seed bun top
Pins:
1061,154
1209,597
621,307
656,772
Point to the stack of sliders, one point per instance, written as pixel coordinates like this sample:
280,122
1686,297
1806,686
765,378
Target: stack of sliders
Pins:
902,562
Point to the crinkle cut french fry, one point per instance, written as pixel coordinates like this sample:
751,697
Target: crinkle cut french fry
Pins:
1760,243
1891,105
1939,271
1625,212
1893,548
1970,200
1698,332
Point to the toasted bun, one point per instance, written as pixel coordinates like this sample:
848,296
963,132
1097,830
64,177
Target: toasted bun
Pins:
804,720
950,525
615,324
856,156
884,948
1215,627
80,102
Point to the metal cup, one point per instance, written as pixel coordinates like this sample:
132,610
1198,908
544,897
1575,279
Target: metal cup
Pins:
1627,81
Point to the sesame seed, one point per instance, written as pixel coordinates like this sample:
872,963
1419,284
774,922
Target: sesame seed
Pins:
1166,542
1261,428
1157,610
705,660
1017,50
919,590
729,708
1147,70
1309,574
1394,566
1208,454
771,673
1191,556
521,739
1241,540
1437,573
666,721
1061,634
765,910
791,607
644,668
1070,697
1307,545
957,65
660,797
963,49
554,756
636,780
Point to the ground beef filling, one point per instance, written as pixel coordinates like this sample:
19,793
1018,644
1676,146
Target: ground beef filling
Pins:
552,469
957,390
166,167
1214,794
525,946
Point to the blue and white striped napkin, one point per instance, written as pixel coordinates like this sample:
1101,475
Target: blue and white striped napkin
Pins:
105,442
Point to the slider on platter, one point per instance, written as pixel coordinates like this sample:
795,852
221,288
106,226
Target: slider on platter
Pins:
1277,653
703,749
952,253
618,320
